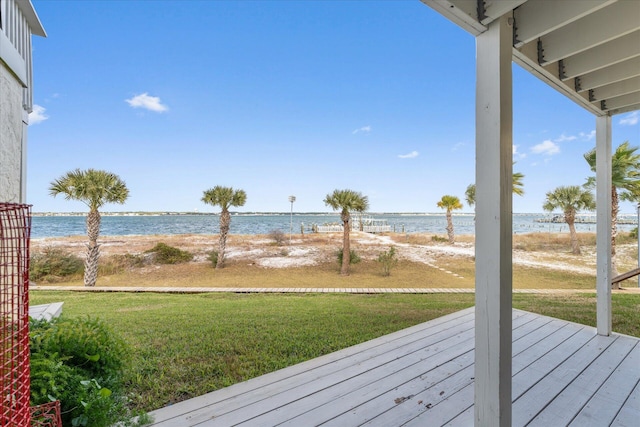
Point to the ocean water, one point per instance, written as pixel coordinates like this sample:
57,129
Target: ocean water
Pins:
121,225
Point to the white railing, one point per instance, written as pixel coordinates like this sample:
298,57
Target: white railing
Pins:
376,228
329,229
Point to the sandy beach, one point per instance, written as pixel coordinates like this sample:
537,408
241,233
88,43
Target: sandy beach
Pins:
314,249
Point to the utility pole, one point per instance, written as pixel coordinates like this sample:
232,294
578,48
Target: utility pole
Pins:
291,199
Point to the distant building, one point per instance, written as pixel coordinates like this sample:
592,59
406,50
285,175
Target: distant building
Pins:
18,22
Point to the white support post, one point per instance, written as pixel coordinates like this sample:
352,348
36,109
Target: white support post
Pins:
603,226
494,171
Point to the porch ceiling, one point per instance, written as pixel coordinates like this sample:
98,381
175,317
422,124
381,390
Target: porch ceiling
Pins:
588,50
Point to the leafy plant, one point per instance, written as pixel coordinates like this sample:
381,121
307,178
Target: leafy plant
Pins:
213,257
388,260
436,238
165,254
53,264
79,362
354,258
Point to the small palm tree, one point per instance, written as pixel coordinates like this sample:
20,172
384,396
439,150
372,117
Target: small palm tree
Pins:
450,203
346,201
93,188
470,194
516,184
224,197
570,199
625,177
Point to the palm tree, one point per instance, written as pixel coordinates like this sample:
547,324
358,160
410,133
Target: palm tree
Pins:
450,203
625,177
470,194
93,188
570,199
224,197
346,201
517,188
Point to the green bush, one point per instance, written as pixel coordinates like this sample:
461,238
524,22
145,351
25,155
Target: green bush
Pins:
354,258
79,362
165,254
53,264
213,257
436,238
388,260
633,233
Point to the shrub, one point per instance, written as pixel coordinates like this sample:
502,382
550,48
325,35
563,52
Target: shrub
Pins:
118,263
354,258
388,260
277,236
213,257
165,254
53,264
629,237
436,238
80,363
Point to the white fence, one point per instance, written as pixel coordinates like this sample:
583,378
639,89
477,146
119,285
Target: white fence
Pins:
329,229
376,228
367,228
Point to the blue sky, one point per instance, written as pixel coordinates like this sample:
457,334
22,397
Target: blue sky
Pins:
281,98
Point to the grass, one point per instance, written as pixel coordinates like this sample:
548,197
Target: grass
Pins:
366,274
187,345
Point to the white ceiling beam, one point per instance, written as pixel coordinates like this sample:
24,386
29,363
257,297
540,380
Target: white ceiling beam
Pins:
615,73
592,30
494,9
622,101
607,54
624,87
552,80
536,18
460,12
627,109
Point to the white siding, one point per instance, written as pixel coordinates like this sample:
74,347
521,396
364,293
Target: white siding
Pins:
11,137
18,22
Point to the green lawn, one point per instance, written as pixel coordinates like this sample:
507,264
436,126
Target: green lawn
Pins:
186,345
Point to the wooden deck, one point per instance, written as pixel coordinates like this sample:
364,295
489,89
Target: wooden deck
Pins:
563,374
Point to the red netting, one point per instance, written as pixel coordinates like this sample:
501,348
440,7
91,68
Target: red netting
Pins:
15,228
46,415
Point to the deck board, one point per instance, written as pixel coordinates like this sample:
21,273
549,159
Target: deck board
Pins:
562,373
605,404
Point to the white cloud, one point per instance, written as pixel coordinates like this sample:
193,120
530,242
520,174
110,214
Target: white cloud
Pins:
37,115
546,147
410,155
564,138
516,154
365,129
630,119
151,103
459,146
587,136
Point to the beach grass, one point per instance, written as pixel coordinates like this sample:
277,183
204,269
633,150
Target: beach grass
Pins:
453,272
185,345
432,265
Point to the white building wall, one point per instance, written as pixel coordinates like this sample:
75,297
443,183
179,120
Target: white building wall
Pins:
11,137
18,22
